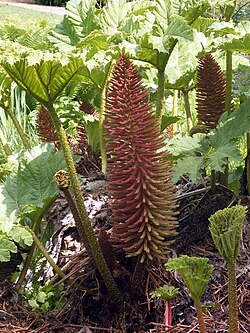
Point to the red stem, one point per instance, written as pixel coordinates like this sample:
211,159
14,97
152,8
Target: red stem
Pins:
168,314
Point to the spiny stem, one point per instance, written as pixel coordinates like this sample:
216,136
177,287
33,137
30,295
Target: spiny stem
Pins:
26,266
213,181
101,131
63,183
232,298
46,255
160,94
57,269
92,240
229,78
188,110
175,109
248,162
102,119
35,227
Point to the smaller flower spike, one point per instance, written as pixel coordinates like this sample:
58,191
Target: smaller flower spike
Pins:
211,92
45,127
139,176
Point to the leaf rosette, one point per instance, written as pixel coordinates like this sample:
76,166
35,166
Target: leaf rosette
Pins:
195,271
226,229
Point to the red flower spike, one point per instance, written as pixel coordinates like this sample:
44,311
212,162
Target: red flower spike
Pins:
45,127
211,92
87,107
143,202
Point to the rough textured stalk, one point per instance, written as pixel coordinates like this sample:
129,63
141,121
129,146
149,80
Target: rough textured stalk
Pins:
63,183
228,99
175,109
161,66
26,266
232,298
18,128
35,227
200,316
92,240
46,255
57,269
213,181
248,162
229,78
4,143
102,119
188,110
160,93
101,131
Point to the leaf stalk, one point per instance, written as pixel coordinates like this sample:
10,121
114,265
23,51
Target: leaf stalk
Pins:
232,298
18,127
200,316
91,237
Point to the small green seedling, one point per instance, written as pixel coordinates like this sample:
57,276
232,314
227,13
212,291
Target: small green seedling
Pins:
167,293
196,273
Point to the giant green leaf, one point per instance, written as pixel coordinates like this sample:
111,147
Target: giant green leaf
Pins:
99,66
93,42
21,234
231,125
226,230
192,9
219,158
226,36
156,47
182,145
32,188
80,20
164,9
220,29
178,28
43,74
201,24
190,166
241,45
6,247
82,13
64,36
181,67
113,14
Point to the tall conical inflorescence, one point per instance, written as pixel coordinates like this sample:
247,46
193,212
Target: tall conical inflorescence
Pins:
210,93
139,176
47,133
45,127
87,107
